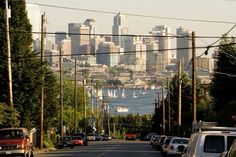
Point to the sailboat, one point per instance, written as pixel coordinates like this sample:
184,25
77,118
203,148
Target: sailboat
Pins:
134,96
123,93
114,94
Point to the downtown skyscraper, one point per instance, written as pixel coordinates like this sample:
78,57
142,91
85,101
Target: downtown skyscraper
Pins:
119,28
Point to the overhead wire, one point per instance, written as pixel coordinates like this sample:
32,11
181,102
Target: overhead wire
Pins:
211,45
134,15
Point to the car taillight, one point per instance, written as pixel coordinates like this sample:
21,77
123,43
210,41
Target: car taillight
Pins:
172,147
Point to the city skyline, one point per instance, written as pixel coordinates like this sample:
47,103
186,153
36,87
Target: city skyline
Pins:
217,16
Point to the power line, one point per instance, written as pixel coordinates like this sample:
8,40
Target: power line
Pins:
211,45
125,35
128,52
135,15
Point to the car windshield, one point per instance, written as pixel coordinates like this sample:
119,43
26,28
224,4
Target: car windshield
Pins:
11,134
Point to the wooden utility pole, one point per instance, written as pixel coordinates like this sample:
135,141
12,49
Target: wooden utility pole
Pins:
163,112
179,100
42,79
85,114
168,89
75,99
61,96
194,101
10,93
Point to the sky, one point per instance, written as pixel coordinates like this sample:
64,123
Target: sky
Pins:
212,10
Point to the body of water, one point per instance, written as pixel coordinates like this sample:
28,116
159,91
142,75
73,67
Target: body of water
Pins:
138,101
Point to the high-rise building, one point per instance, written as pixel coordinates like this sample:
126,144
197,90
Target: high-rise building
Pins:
161,34
119,28
59,37
66,48
154,61
107,54
92,29
184,41
94,42
34,16
79,36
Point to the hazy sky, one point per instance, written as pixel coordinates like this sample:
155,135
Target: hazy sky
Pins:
213,10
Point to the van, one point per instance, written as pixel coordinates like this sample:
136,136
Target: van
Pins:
15,142
210,142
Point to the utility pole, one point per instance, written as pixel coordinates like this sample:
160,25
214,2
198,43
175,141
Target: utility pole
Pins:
42,79
85,115
10,93
194,101
75,99
179,100
163,112
61,95
168,88
97,99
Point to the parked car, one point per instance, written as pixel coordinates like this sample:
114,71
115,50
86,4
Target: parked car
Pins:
130,136
159,141
231,152
107,137
165,144
65,141
210,142
78,140
98,137
91,137
84,137
149,136
153,140
15,142
176,146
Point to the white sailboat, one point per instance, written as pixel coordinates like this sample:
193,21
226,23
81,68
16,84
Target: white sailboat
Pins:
123,93
134,96
114,94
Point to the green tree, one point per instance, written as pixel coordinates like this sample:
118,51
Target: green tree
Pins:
223,81
26,70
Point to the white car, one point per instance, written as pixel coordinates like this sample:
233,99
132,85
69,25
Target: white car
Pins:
176,146
210,142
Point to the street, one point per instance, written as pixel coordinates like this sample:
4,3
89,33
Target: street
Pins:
112,148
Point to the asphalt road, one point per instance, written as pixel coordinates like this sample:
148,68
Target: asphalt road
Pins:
112,148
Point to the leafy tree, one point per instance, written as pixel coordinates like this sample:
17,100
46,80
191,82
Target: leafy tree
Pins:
223,81
26,71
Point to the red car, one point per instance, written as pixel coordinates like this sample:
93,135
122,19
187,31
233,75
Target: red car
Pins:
78,140
130,136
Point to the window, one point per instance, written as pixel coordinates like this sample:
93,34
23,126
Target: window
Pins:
214,144
230,140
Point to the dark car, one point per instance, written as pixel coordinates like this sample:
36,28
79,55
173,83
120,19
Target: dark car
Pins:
65,141
84,137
